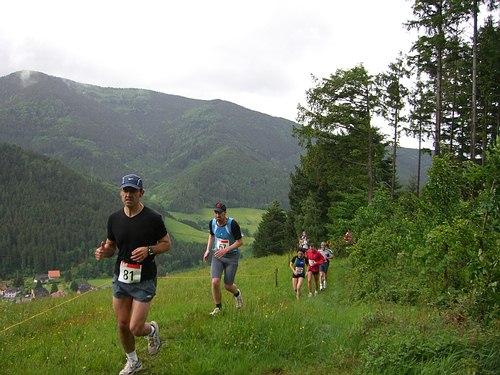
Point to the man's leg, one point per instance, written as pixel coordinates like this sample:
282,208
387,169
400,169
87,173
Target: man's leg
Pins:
230,269
123,312
216,290
309,281
138,325
316,281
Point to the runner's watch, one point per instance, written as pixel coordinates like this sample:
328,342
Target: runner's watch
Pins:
150,250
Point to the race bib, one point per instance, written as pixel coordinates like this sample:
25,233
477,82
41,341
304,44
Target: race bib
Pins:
222,244
129,273
311,262
299,270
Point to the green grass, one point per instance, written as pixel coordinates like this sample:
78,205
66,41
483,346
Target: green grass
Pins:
248,218
184,232
273,334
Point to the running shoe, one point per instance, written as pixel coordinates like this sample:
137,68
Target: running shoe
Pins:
131,367
154,342
239,300
215,312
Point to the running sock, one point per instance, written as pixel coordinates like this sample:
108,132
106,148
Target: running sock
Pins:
153,330
133,356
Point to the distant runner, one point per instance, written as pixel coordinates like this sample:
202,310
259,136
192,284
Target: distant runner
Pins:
314,259
224,240
298,267
323,268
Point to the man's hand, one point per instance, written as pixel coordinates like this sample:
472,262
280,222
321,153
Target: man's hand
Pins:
100,251
221,252
139,254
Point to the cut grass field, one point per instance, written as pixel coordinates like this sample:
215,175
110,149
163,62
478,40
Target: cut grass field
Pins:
273,334
184,232
248,218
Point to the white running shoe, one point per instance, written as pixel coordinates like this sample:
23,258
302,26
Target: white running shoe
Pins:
131,367
315,293
215,312
310,294
239,300
154,342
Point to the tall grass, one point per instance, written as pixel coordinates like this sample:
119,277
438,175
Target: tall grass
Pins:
273,334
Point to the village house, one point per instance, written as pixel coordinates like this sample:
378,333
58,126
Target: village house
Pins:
41,278
54,274
51,275
11,292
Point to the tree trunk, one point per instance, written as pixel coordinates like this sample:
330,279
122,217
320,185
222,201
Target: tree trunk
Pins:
474,84
394,155
439,80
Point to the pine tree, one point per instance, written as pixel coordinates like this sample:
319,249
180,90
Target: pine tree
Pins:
273,234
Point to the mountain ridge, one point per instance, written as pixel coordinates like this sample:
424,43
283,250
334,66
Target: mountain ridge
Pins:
108,132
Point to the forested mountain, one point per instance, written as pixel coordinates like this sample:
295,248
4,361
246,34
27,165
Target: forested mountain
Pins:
51,215
53,218
189,152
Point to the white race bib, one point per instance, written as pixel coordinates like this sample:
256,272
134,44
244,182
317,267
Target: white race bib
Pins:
222,244
299,270
129,273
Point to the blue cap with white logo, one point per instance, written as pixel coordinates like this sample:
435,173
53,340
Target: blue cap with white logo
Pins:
131,180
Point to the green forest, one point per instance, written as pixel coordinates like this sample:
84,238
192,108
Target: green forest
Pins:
438,245
53,217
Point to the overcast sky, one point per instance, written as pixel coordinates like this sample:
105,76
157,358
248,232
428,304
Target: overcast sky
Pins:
259,54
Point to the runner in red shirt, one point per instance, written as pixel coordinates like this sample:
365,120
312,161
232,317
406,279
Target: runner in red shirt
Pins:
314,259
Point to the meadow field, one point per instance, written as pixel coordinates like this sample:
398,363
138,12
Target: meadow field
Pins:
248,218
274,333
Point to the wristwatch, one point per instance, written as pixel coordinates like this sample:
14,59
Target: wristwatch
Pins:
150,250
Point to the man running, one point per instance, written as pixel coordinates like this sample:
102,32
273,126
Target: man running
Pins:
224,240
314,259
139,234
323,268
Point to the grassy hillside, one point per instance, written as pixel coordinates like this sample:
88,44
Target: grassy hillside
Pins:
273,334
248,218
194,227
184,232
